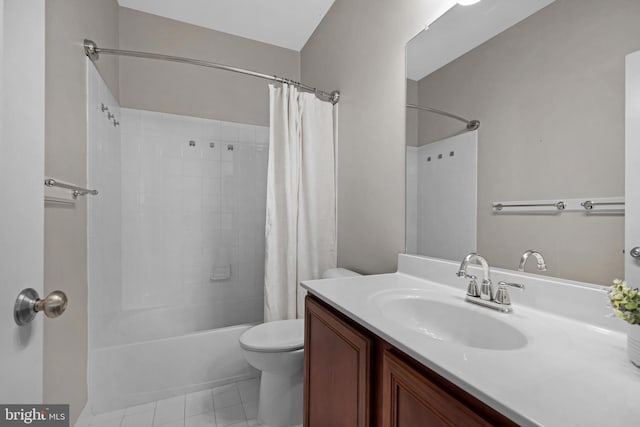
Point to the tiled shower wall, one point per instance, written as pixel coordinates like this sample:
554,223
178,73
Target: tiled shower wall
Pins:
411,227
178,224
193,213
441,197
104,209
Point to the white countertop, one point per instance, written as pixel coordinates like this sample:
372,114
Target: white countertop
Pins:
571,373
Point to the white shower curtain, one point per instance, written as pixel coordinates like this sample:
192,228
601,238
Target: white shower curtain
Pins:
301,198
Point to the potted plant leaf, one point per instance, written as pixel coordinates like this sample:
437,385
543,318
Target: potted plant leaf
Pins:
626,305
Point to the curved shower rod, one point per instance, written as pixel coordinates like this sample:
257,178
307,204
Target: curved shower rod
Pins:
92,51
471,124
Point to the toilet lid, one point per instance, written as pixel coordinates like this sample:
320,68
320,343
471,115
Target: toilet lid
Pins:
277,336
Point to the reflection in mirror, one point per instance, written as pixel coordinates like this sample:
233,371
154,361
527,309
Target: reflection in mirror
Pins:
546,81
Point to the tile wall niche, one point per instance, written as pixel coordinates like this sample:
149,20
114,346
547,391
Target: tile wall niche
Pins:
193,213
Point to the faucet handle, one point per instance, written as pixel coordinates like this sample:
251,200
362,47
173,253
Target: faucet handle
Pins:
472,288
513,285
502,294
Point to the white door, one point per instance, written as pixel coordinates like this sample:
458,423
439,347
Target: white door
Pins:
632,171
21,193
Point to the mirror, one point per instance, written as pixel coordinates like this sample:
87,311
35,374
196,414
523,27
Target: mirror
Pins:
546,81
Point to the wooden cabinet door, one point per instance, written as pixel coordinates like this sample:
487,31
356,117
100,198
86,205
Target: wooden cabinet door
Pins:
412,399
337,370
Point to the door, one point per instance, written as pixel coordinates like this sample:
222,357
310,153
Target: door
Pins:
411,397
21,193
337,370
632,170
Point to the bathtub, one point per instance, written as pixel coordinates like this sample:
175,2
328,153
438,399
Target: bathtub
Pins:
141,357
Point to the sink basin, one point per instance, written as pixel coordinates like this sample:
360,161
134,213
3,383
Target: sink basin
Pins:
447,322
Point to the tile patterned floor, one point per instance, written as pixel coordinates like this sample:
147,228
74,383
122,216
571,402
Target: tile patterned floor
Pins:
232,405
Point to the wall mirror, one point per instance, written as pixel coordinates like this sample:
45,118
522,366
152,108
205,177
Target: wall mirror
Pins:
546,81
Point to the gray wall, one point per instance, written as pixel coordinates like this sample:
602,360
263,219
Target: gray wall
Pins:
549,93
196,91
359,48
68,22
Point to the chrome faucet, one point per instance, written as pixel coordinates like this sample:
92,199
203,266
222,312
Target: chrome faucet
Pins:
486,289
538,256
486,297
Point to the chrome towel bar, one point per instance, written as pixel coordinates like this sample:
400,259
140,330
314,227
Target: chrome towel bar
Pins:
75,190
558,205
588,204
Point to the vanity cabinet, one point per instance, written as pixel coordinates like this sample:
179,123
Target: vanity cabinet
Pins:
354,378
337,369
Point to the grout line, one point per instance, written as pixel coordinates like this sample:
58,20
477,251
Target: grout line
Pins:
242,403
240,395
215,413
153,419
184,409
213,406
246,420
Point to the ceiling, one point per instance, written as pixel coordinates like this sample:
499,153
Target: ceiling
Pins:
284,23
463,28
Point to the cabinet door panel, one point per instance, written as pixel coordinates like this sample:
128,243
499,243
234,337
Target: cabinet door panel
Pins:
337,383
410,399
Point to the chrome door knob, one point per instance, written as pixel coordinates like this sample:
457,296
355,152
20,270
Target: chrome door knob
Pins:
635,252
53,305
28,304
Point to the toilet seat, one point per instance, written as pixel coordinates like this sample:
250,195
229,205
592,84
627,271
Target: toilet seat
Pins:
274,337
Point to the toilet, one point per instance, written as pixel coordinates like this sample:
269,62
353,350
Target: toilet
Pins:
277,350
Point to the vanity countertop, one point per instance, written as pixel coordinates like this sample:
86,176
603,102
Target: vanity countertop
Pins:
571,372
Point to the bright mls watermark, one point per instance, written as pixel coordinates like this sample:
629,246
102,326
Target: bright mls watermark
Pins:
34,415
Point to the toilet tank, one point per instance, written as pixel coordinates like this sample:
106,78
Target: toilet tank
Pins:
334,273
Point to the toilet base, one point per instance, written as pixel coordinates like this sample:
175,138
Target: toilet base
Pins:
280,402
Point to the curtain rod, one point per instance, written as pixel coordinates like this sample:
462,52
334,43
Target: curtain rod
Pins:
92,51
471,124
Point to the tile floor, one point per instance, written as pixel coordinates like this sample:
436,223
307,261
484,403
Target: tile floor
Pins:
233,405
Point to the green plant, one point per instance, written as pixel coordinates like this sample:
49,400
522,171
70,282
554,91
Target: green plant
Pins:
625,301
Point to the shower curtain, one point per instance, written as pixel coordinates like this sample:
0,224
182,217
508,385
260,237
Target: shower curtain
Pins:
301,198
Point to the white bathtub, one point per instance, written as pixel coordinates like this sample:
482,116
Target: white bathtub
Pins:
151,324
134,373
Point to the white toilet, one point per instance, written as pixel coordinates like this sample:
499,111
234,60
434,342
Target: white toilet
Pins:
276,349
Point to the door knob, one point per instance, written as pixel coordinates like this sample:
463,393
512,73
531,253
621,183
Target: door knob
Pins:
28,304
635,252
